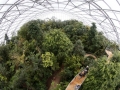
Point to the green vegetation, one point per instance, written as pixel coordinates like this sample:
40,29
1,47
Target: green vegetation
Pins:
30,60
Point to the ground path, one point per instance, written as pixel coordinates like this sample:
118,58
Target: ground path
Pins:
55,79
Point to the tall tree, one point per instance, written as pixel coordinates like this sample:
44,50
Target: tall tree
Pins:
78,48
57,42
30,30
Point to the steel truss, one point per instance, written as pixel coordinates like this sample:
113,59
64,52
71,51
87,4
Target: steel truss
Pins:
14,13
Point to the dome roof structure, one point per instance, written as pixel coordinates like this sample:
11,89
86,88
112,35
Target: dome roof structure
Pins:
105,13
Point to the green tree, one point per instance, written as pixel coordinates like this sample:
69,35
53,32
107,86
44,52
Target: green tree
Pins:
75,30
78,48
49,60
95,42
102,76
6,38
4,53
57,42
30,30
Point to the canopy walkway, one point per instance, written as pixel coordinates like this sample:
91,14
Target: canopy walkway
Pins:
77,81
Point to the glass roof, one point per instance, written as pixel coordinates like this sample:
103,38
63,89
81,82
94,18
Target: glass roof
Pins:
105,13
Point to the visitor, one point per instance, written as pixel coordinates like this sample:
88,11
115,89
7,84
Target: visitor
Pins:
83,73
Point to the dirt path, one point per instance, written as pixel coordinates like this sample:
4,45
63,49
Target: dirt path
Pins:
110,55
54,79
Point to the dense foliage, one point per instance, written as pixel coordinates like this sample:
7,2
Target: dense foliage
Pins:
30,60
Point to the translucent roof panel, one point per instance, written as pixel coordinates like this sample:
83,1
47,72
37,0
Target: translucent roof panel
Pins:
106,14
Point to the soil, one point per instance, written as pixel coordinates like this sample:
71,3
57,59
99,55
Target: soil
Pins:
54,79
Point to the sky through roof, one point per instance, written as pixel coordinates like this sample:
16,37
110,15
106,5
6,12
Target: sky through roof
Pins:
105,13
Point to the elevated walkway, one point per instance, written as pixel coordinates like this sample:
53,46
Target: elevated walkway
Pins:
77,81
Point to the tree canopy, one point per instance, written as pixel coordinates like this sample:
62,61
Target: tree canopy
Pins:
45,51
